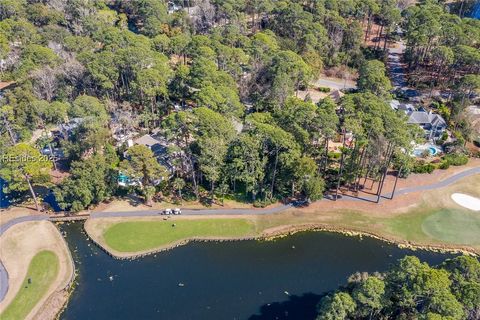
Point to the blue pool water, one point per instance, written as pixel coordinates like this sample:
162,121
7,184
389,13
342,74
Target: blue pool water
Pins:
418,152
476,11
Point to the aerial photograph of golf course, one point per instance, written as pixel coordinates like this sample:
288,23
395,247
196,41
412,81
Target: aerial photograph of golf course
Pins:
239,159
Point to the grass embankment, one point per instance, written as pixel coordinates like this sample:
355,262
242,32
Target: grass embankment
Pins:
427,219
42,271
138,236
454,226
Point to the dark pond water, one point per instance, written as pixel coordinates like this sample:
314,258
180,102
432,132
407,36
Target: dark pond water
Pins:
283,279
3,197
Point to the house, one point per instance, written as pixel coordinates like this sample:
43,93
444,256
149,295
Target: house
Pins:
405,107
159,148
433,123
336,95
4,85
67,128
172,7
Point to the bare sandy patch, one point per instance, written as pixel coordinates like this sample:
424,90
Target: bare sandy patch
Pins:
15,212
466,201
18,245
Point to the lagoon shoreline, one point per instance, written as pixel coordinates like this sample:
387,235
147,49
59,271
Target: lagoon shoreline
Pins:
283,231
19,245
323,216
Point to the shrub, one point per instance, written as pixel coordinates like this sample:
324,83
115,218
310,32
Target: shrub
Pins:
456,159
443,138
323,89
334,155
444,165
421,167
262,203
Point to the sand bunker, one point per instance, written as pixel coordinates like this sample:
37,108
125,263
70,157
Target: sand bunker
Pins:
467,201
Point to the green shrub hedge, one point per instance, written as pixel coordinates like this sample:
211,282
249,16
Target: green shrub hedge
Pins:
456,159
420,167
324,89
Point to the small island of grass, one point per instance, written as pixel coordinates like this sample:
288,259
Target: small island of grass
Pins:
42,271
137,236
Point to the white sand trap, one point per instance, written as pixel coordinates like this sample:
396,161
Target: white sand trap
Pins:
467,201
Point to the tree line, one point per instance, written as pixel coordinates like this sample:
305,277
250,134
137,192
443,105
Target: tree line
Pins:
410,289
218,79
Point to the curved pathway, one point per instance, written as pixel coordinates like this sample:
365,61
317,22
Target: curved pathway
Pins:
440,184
192,212
145,213
4,227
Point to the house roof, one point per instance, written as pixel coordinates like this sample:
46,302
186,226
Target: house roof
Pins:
72,124
424,117
336,95
437,120
5,84
147,140
418,117
397,105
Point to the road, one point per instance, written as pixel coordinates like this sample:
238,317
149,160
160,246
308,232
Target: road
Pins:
334,84
395,66
397,70
146,213
193,212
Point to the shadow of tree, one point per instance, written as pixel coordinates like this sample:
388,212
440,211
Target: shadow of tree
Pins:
296,307
134,200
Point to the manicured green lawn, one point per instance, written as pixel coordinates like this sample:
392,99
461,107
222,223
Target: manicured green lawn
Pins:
43,270
454,226
144,235
409,226
447,225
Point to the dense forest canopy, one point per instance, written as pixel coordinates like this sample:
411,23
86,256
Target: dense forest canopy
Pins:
410,289
219,81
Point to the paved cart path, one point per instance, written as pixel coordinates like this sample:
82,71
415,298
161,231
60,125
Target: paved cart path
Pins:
146,213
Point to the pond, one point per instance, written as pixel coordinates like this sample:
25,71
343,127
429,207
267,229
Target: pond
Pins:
4,203
281,279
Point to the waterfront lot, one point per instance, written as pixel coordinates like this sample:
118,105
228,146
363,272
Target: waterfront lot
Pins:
429,219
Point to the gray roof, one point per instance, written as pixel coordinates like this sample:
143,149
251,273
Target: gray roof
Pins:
418,117
147,140
397,105
70,125
437,120
423,117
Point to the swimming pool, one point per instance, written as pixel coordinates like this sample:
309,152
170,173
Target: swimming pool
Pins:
420,150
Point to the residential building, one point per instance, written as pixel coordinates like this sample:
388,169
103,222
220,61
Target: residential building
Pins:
433,123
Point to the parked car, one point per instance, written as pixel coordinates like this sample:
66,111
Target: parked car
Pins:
167,211
177,211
